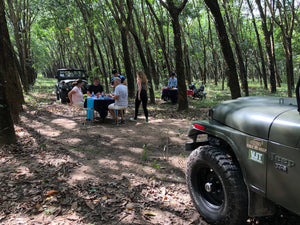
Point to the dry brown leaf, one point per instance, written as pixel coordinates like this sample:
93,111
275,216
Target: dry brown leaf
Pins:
129,206
52,192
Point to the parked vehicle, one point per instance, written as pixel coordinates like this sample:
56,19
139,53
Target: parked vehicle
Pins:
65,78
245,159
197,92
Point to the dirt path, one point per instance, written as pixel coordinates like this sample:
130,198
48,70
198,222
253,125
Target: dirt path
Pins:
64,172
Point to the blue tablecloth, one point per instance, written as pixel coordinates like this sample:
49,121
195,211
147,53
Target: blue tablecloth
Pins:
100,105
169,94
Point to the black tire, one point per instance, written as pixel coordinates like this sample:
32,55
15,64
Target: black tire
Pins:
216,186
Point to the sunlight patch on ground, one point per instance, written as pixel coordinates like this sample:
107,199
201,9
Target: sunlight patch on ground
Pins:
178,162
135,150
23,171
65,123
82,173
71,141
49,132
127,163
111,164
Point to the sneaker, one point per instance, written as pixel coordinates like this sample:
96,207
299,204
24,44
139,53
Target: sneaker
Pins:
147,120
133,119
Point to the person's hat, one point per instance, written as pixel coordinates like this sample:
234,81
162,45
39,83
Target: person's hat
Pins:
114,71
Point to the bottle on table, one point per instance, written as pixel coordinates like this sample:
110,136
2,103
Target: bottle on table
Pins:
93,95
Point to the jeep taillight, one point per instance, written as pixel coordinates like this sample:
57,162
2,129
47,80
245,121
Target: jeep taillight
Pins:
199,127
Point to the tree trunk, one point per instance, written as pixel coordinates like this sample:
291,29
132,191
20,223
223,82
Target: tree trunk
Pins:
238,51
179,64
262,58
12,98
161,37
124,36
285,20
267,36
127,62
232,76
7,132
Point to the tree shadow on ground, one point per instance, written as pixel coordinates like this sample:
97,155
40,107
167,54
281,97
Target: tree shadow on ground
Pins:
61,170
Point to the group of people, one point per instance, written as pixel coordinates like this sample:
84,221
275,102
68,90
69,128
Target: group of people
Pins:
120,94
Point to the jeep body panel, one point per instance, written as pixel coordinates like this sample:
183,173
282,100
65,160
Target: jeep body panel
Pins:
283,169
250,115
254,179
263,134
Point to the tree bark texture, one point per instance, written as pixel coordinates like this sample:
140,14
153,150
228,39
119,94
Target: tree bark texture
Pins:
179,63
232,76
267,36
7,70
285,21
262,58
238,51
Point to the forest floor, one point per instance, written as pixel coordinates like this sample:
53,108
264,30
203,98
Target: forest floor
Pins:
64,171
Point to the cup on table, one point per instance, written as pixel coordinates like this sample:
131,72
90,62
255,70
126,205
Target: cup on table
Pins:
98,95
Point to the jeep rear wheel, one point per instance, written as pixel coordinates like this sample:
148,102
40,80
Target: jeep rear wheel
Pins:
216,186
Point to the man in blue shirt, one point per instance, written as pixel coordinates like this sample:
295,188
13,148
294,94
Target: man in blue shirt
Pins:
172,81
115,74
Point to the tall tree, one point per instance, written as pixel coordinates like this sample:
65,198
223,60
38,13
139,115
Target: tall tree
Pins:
232,76
161,36
286,20
131,26
7,66
267,36
22,17
174,12
262,58
121,20
233,30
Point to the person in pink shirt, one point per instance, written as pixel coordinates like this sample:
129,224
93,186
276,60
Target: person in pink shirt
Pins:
75,95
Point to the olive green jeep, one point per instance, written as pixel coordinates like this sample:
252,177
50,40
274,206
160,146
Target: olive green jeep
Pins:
245,159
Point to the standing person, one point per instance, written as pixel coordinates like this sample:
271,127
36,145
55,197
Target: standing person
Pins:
141,94
116,74
121,99
75,95
96,87
172,81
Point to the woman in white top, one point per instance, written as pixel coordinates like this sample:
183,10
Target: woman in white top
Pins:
75,95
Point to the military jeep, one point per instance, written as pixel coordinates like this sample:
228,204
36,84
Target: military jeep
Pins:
245,159
65,78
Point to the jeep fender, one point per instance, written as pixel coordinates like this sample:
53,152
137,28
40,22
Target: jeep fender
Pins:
258,205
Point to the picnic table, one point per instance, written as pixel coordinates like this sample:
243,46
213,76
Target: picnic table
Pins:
98,104
169,94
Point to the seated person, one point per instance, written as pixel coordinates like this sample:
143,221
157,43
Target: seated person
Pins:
75,95
121,99
172,81
115,74
96,87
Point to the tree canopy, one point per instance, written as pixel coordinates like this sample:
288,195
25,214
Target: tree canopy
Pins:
159,37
